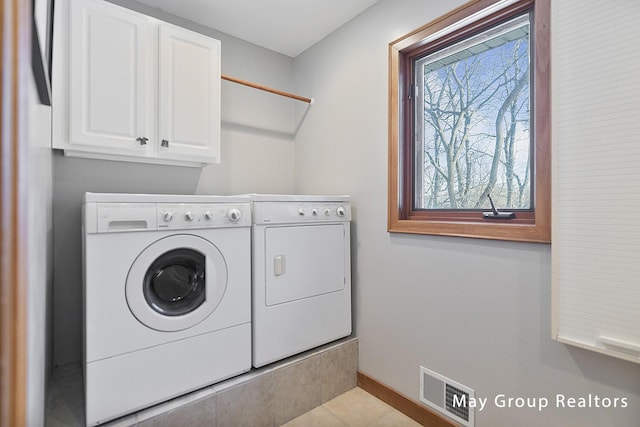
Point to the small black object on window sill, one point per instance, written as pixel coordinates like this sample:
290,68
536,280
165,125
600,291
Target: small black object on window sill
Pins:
495,213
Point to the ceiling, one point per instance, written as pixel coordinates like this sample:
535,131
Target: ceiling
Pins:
286,26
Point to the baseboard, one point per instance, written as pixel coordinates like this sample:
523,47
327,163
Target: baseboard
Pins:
412,409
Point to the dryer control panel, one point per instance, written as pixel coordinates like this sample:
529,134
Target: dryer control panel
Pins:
300,212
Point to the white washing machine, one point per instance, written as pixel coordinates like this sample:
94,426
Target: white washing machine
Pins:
301,274
167,297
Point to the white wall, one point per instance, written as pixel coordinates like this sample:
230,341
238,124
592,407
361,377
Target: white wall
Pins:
257,156
476,311
40,271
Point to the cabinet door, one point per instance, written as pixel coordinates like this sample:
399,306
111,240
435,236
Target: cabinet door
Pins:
189,96
112,79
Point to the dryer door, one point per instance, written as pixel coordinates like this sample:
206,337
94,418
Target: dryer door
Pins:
176,282
304,261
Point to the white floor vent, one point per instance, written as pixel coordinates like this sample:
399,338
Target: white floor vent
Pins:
446,396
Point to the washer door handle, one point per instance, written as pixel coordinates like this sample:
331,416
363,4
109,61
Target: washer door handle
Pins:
279,265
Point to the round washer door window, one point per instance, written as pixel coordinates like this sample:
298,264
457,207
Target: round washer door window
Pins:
176,282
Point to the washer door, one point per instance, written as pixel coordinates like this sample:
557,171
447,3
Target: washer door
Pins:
176,282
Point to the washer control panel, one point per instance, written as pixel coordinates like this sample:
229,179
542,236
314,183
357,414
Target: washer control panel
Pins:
172,216
292,212
123,217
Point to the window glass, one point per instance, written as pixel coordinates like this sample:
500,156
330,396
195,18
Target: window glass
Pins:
472,122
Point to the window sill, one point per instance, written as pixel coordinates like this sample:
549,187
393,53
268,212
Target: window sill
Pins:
494,230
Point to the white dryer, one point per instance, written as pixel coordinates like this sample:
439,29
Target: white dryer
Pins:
301,274
167,297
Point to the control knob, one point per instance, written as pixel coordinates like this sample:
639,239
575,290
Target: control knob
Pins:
234,215
341,212
167,217
301,212
208,216
188,216
327,212
314,212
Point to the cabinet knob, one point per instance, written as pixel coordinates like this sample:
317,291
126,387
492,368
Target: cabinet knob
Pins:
142,140
164,143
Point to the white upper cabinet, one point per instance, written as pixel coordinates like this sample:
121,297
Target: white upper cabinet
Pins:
129,87
189,94
111,76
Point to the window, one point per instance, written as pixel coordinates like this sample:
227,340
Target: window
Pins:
469,132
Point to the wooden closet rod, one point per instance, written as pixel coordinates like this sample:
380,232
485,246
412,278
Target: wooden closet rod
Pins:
267,89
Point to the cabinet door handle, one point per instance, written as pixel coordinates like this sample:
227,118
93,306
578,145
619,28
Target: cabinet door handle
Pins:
164,143
142,140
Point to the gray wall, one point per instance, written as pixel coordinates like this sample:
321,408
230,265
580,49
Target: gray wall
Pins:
476,311
40,270
257,156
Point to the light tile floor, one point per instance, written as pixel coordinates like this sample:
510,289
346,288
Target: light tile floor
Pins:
355,408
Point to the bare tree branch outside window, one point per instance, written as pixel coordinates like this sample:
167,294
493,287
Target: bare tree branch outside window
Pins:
473,120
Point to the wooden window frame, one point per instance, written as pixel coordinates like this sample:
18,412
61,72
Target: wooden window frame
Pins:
15,16
529,226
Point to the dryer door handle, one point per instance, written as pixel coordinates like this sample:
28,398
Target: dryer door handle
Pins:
279,265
